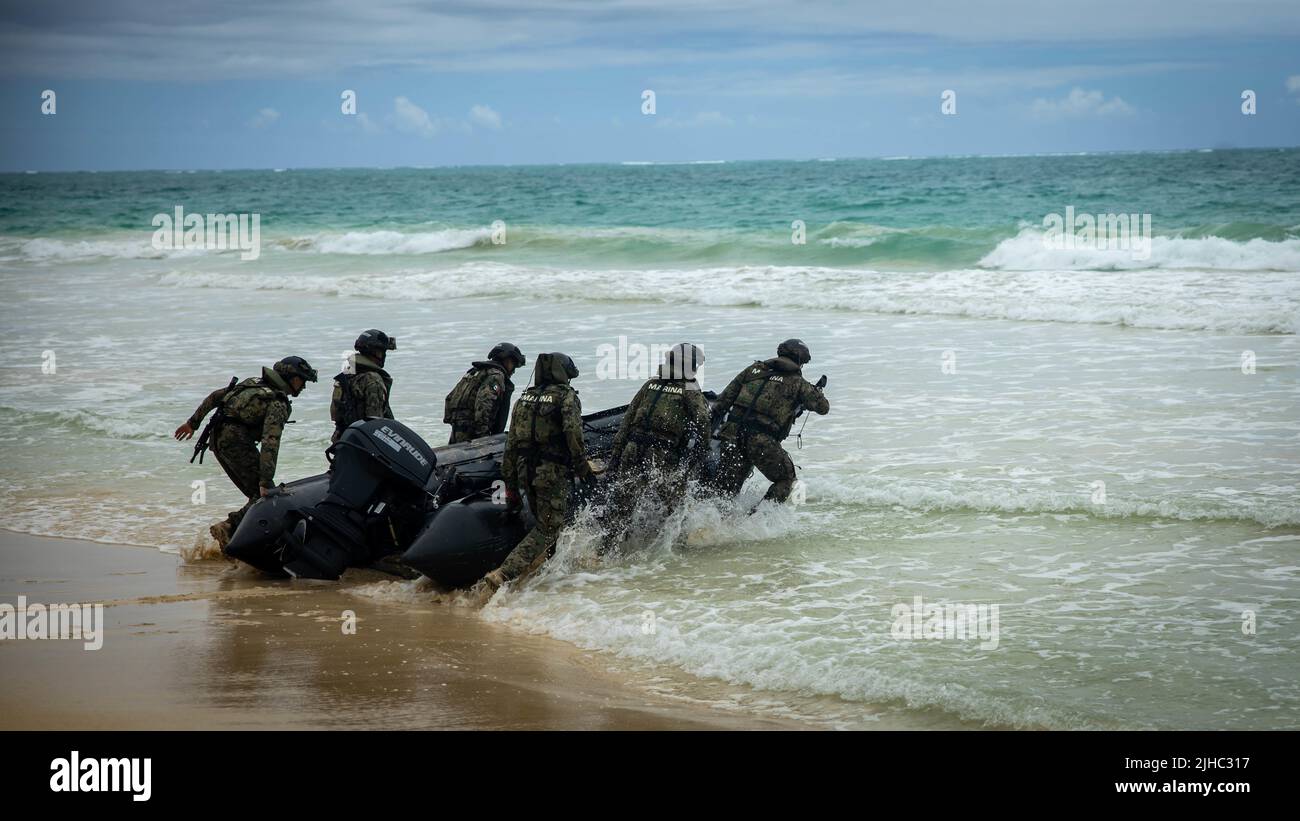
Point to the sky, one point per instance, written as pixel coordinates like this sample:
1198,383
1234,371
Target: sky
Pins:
139,84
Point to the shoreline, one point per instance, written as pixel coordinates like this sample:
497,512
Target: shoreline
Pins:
205,646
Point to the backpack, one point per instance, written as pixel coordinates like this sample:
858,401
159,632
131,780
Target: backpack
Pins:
458,408
343,402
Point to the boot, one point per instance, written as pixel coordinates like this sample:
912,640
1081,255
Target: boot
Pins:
484,589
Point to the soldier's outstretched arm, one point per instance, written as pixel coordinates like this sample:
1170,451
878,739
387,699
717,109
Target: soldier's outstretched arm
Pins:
813,398
510,472
699,425
625,429
205,407
572,412
277,413
728,397
485,403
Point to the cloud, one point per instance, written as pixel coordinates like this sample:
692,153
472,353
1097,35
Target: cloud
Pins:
368,125
704,119
1293,83
412,119
485,116
245,38
907,81
1079,103
265,117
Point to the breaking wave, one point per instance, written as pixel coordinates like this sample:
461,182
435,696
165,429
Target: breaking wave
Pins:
1249,303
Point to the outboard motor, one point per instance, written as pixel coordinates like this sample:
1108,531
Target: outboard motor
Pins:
375,504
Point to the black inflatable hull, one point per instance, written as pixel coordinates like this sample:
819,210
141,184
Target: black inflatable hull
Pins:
465,540
258,541
457,537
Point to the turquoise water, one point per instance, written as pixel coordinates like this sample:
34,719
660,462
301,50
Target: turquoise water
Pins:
982,384
914,214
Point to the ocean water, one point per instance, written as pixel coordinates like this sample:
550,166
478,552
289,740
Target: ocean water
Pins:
1104,444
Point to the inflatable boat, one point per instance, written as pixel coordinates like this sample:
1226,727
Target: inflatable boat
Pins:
388,495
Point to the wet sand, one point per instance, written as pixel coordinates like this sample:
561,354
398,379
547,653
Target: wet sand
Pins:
197,646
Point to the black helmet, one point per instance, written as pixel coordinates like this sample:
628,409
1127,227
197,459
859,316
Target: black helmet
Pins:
504,351
295,366
795,350
375,340
683,360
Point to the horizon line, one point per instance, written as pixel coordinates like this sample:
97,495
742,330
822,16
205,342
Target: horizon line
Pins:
644,163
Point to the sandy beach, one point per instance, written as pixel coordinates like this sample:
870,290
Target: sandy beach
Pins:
197,646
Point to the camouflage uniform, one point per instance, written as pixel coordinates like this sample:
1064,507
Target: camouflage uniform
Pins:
761,403
256,410
368,390
544,451
480,402
663,439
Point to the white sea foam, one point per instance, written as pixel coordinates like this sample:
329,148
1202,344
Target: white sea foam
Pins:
1237,302
394,242
804,650
57,250
1027,252
930,497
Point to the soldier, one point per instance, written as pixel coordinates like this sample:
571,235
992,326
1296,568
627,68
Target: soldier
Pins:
545,451
480,402
662,441
248,412
364,393
761,404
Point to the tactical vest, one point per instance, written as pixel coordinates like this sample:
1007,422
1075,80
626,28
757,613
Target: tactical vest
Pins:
458,409
765,402
537,424
346,406
661,418
246,403
343,402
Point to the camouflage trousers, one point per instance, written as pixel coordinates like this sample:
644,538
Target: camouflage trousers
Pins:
745,449
237,453
646,473
548,488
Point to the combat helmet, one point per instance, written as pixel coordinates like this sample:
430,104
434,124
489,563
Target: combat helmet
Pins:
794,350
375,340
506,351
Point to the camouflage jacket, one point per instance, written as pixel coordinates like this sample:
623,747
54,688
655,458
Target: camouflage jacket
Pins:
546,425
767,396
260,408
672,412
480,402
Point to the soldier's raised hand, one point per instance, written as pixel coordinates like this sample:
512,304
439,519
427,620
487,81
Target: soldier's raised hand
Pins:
184,432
